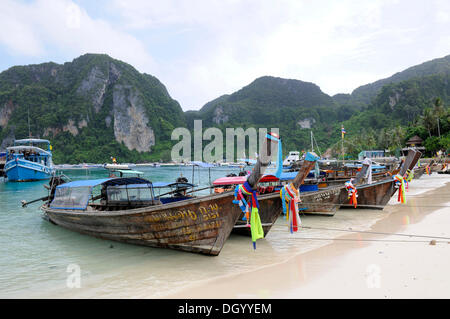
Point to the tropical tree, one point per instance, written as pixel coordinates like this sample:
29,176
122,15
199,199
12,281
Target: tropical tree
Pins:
438,107
397,136
384,138
439,111
428,120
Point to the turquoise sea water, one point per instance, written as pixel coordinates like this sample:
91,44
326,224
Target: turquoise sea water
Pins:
35,254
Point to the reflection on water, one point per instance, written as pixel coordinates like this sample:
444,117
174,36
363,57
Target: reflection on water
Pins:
35,254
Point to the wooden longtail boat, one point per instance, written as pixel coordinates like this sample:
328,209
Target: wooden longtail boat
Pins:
346,177
445,170
378,194
328,199
269,210
436,167
375,195
199,225
338,176
444,167
323,202
418,172
270,205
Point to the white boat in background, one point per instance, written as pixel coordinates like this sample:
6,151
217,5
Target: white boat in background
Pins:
116,166
169,165
291,159
149,164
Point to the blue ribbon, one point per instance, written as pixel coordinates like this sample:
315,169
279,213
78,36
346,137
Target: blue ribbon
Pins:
249,189
280,155
242,202
283,200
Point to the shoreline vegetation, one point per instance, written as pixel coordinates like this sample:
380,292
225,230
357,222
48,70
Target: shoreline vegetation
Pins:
96,107
423,160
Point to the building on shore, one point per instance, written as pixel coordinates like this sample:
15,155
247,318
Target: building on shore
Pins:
414,142
371,154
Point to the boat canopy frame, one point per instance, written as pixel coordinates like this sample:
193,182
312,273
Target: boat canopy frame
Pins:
33,141
36,149
77,194
121,191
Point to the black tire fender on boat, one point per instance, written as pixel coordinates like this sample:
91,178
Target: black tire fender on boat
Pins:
182,180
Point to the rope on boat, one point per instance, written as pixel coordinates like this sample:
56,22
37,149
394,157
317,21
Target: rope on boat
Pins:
366,206
375,240
381,206
290,196
423,187
247,226
372,232
420,196
250,209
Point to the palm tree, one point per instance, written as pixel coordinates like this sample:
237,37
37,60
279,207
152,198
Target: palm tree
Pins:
439,111
384,138
428,120
438,107
397,136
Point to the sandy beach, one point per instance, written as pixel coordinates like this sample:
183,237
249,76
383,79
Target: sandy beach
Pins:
361,264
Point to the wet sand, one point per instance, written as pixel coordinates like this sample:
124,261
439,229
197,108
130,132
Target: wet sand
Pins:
360,265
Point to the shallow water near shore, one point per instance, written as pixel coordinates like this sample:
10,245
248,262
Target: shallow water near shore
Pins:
35,255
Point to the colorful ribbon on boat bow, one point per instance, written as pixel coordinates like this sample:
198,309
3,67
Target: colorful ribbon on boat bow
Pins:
400,184
352,193
427,170
250,209
290,195
410,175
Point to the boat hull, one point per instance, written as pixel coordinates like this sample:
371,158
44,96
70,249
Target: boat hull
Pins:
371,196
418,172
23,171
200,225
322,202
340,182
269,210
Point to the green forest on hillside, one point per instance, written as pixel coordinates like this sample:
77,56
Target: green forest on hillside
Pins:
381,115
398,112
418,106
48,95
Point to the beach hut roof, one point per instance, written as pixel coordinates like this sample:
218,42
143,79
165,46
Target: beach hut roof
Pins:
414,140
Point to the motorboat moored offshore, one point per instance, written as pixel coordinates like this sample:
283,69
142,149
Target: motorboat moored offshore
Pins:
26,161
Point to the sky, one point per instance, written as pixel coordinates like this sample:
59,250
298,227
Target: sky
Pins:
201,50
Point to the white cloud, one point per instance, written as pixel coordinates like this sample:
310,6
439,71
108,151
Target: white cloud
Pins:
33,29
17,36
247,39
203,49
